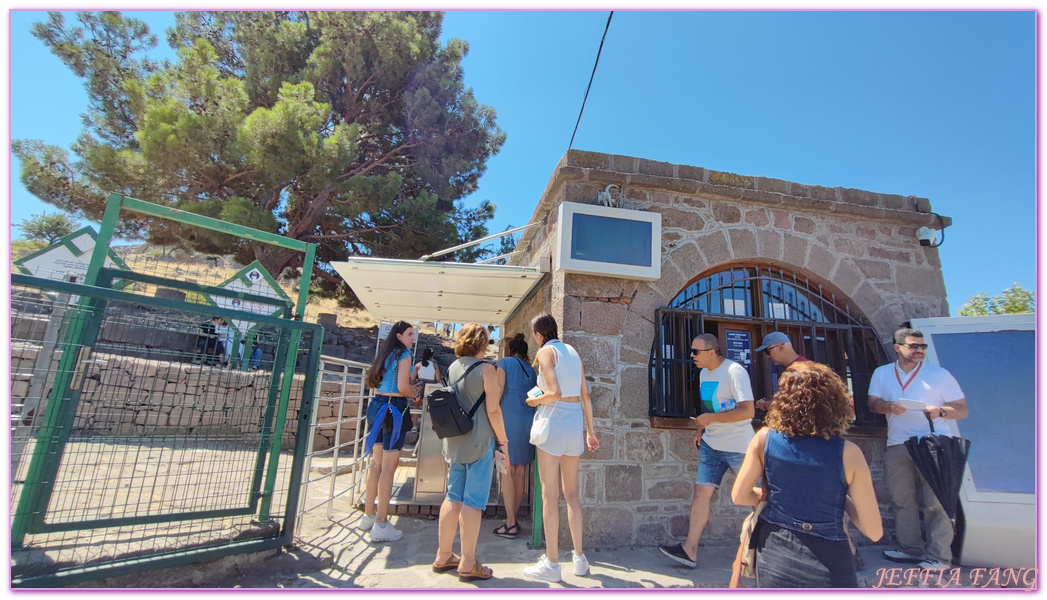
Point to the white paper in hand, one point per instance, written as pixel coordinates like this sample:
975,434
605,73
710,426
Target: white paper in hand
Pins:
908,404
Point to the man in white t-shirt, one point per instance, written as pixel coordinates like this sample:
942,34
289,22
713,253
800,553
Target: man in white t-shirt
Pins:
724,432
915,383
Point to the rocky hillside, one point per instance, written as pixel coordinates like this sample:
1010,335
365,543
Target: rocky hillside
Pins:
354,333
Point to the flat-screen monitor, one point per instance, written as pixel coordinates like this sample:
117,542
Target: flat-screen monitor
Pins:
599,240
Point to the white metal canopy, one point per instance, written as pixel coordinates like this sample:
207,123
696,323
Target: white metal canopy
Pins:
413,290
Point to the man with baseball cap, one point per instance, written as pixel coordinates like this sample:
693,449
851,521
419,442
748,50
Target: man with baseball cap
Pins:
779,348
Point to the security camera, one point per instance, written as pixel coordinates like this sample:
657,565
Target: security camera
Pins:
926,235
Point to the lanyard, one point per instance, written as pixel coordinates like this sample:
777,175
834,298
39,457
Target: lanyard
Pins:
898,375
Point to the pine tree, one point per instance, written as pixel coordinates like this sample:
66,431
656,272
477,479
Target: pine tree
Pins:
353,130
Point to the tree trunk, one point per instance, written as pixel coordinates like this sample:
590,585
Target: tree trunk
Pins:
275,259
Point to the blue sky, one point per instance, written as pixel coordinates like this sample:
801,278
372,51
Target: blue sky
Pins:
936,104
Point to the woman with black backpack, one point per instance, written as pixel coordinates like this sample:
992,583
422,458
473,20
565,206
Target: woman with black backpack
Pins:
518,378
471,456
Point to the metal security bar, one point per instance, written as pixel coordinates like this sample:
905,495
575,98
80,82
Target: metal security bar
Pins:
338,427
822,327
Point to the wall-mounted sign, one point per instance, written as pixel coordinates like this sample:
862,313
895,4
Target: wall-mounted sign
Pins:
740,348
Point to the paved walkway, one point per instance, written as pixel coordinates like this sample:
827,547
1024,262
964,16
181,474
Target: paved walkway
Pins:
339,556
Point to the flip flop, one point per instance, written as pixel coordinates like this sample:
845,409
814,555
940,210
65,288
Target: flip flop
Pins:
452,563
507,532
479,572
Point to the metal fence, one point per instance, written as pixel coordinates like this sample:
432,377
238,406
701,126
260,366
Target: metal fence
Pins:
338,467
140,438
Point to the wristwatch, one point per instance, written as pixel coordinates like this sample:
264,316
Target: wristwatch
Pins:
941,412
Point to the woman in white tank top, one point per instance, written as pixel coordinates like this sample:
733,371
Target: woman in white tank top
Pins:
565,399
425,371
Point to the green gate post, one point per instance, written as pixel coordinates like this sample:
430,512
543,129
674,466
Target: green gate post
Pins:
285,389
537,540
265,440
305,414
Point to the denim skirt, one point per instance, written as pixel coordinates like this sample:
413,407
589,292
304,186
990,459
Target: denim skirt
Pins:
793,559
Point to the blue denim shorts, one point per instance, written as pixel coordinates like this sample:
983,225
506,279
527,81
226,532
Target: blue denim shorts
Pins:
470,483
399,404
712,464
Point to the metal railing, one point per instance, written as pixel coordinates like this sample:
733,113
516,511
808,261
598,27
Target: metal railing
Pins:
341,389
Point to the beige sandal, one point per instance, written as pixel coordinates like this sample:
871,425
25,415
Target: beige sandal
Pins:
479,572
452,563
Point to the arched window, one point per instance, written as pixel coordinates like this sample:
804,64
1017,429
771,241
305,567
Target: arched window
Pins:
742,304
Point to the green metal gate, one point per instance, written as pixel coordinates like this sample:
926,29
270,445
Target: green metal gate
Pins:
133,448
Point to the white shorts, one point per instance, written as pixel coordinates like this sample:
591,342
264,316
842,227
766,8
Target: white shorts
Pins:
566,429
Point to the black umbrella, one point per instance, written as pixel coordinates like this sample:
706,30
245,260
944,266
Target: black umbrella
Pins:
941,459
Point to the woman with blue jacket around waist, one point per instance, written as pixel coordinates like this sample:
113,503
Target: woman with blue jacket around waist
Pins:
810,476
388,421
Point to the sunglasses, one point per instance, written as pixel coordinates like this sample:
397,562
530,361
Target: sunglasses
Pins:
915,346
699,350
768,349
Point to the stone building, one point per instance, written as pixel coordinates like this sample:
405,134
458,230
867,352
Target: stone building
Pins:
837,269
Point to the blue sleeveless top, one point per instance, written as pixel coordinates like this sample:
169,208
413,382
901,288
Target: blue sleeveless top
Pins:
389,383
806,483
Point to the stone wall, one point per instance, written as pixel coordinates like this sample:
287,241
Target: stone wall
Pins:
859,246
124,395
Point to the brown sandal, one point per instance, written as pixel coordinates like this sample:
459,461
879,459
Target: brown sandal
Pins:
479,572
452,563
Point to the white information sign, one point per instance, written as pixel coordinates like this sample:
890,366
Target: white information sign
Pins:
69,256
255,280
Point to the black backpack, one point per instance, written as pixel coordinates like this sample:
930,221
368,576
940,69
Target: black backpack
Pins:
446,413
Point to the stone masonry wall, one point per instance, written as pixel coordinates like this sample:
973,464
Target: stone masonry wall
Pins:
860,246
124,395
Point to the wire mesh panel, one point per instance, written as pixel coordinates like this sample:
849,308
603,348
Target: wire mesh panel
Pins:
168,446
156,405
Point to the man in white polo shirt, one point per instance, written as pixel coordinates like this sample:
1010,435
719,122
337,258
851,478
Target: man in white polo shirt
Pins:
910,379
724,432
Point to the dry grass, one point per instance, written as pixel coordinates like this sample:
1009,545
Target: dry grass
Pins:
198,268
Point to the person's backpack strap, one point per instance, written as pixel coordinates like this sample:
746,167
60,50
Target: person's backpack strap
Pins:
483,396
467,370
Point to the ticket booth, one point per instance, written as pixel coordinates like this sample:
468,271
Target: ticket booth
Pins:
438,292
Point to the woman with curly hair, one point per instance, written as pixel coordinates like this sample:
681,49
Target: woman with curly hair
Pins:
809,476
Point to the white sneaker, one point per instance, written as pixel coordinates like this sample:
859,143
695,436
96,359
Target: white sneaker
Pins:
385,532
544,570
581,564
367,522
933,565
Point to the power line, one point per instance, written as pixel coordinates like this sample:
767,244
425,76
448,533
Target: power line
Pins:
590,80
